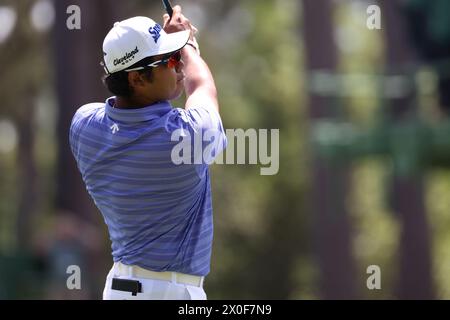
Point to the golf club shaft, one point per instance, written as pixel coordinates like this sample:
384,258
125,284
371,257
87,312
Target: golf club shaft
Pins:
168,7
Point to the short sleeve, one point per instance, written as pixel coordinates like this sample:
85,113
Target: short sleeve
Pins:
204,129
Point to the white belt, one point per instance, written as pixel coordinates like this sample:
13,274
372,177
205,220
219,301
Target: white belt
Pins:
138,272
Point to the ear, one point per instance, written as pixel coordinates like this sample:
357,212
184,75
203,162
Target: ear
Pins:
135,79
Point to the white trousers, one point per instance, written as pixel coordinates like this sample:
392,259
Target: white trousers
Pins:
152,289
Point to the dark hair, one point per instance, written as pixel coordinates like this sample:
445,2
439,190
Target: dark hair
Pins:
117,82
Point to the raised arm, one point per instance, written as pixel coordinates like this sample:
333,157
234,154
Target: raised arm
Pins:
199,82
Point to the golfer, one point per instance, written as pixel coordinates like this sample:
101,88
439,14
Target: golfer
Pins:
155,197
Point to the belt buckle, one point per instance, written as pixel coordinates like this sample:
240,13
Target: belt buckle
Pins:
127,285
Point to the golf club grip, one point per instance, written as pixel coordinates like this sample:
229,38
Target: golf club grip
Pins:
168,7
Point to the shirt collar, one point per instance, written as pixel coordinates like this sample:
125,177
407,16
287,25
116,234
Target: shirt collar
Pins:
151,112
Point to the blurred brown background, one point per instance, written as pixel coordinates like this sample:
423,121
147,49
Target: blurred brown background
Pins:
364,147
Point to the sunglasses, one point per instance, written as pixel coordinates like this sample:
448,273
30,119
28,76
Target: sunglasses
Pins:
171,61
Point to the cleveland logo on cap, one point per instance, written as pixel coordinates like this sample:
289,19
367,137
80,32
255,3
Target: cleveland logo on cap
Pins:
126,58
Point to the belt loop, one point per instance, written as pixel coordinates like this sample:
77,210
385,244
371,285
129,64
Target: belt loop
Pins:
114,269
201,281
174,277
130,271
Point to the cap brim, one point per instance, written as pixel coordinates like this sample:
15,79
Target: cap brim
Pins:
174,42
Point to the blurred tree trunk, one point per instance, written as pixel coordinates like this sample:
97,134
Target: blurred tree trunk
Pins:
415,258
20,102
77,56
329,185
27,170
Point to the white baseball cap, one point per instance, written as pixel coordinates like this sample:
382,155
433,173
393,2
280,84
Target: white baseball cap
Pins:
134,39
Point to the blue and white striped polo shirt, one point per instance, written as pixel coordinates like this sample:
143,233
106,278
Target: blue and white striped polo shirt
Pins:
159,214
